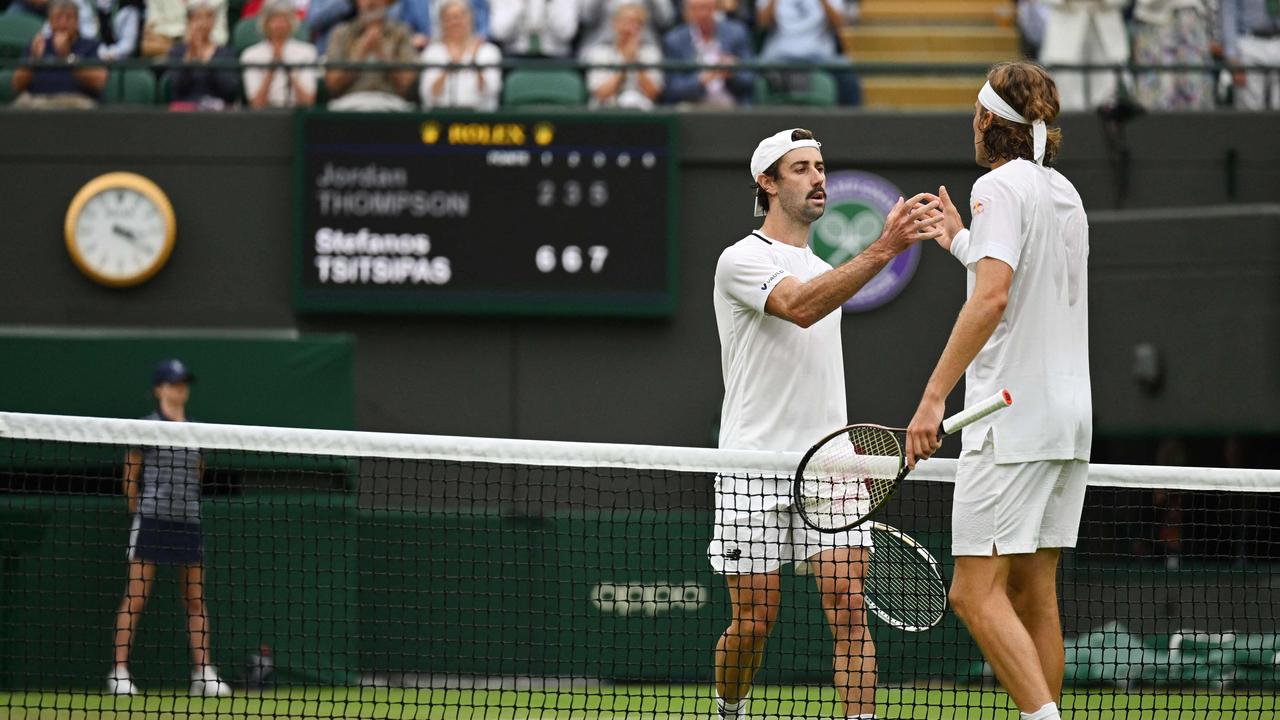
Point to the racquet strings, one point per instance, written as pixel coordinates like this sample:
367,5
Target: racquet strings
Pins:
849,476
902,582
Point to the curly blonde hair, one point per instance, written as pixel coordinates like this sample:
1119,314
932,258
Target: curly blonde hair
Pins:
1031,91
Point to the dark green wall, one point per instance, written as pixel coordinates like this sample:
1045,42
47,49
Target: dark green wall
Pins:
1207,291
289,381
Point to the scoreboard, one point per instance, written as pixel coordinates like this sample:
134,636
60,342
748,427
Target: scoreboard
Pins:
506,214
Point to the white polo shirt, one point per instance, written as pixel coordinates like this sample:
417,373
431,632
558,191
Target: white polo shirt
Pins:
783,384
1031,218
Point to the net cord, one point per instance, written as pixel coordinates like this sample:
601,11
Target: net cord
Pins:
547,453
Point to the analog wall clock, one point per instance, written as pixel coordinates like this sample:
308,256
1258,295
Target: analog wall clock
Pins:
120,229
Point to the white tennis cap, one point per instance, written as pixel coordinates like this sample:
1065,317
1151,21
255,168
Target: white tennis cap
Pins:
770,150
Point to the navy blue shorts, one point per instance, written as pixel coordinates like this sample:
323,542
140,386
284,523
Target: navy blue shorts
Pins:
166,542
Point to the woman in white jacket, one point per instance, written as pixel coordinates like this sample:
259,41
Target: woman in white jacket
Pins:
1085,32
476,87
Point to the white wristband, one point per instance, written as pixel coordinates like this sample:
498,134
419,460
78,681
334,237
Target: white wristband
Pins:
960,246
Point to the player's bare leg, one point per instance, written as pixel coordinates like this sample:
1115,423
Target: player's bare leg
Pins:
1033,590
839,576
191,579
980,596
754,601
141,577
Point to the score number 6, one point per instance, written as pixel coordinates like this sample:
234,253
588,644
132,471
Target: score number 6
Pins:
570,259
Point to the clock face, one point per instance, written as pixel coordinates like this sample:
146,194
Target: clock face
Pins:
120,232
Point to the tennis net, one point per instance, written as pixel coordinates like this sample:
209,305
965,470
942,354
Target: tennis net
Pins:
350,574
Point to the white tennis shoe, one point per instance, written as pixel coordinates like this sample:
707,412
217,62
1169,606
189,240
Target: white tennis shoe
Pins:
205,682
119,682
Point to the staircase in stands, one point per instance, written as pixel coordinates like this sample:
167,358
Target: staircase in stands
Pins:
940,32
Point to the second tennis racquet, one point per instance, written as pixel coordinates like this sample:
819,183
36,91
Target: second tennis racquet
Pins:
851,473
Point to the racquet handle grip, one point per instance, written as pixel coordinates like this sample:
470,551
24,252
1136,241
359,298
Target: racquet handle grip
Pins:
975,412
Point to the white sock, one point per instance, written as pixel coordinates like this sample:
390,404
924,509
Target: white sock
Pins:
863,716
1048,711
728,709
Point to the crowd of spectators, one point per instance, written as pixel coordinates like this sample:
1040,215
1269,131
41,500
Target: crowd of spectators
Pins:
284,44
1233,34
195,41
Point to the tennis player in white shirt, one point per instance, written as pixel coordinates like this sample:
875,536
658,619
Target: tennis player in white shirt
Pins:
1021,477
777,308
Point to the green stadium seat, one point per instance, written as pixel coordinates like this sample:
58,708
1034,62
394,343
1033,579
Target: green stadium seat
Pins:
164,89
6,86
524,88
132,86
815,88
246,33
16,32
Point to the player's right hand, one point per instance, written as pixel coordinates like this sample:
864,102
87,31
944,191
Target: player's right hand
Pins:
911,221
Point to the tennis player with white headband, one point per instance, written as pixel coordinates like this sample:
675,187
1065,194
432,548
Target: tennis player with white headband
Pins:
1021,478
777,308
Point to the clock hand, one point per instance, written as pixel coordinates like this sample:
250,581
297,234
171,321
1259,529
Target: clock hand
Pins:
125,233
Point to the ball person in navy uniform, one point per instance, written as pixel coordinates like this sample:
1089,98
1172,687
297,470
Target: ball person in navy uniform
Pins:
162,485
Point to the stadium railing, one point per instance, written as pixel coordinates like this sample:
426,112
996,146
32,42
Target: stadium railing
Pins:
865,69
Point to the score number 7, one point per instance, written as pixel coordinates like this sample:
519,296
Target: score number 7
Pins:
570,259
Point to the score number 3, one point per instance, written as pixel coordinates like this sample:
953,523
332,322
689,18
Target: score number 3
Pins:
570,259
572,194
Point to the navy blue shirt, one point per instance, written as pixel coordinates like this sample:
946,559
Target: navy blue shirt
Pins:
170,482
52,81
192,84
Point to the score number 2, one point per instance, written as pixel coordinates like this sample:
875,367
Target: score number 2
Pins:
572,193
571,259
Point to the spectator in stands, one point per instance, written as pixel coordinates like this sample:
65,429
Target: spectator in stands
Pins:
279,86
705,39
634,89
1172,32
1032,15
197,85
325,15
162,486
596,19
1085,32
166,24
422,15
120,28
807,31
88,16
534,28
66,87
477,87
372,36
1251,36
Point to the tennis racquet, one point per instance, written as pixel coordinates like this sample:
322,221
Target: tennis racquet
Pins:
851,473
903,582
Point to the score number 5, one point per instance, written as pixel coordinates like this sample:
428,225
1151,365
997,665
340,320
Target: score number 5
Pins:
570,259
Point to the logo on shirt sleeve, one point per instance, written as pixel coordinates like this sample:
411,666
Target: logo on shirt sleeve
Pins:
977,207
765,285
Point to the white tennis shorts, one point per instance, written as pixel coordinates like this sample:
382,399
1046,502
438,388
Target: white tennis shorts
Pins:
1015,508
747,543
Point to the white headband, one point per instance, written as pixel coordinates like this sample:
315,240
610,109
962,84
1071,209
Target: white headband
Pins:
992,101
